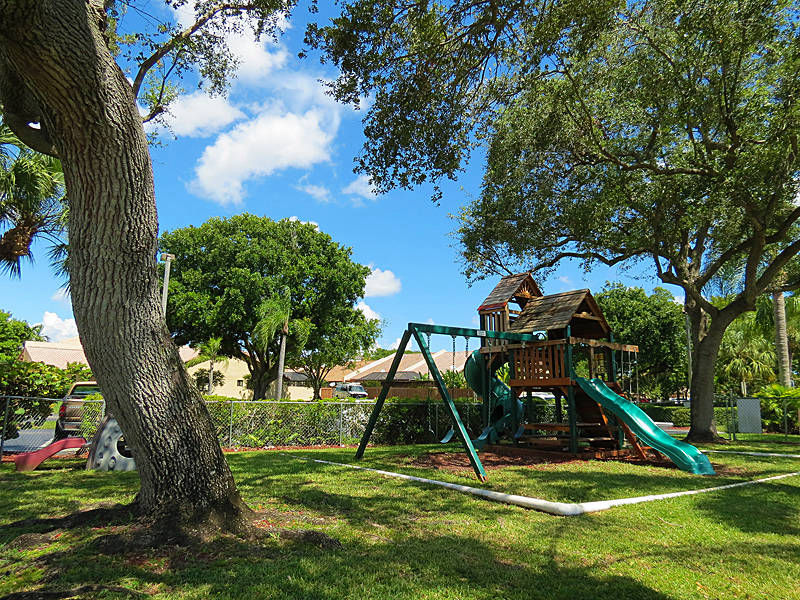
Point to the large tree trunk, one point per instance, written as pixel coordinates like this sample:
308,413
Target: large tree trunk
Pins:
781,340
260,379
706,340
56,48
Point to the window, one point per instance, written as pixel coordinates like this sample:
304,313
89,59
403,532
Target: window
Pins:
240,383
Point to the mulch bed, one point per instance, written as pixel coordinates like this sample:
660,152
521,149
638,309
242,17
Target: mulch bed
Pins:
458,461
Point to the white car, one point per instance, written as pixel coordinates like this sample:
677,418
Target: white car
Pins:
349,390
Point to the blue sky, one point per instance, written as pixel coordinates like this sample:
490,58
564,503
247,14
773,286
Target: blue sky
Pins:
278,146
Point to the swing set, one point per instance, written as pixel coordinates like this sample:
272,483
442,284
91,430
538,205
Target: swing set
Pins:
543,341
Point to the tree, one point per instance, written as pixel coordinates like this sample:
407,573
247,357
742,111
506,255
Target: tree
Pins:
616,133
228,280
211,350
64,92
654,323
339,344
201,380
778,316
13,335
32,203
747,357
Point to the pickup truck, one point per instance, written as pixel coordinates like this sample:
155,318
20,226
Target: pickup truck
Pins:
70,413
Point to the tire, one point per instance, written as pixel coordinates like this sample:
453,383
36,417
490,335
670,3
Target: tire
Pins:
108,451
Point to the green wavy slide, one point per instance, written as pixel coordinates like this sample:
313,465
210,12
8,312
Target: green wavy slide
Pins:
686,456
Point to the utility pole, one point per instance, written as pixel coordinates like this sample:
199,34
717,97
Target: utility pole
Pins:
167,258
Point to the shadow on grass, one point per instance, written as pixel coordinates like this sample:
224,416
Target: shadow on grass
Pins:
437,566
766,508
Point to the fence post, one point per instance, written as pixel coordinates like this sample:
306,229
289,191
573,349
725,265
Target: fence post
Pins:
785,423
230,425
341,410
436,419
5,422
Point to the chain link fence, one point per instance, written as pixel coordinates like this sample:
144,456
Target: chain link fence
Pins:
259,424
31,423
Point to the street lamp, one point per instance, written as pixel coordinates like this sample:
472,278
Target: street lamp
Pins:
167,258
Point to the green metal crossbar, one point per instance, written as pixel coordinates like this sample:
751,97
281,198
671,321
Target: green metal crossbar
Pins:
416,330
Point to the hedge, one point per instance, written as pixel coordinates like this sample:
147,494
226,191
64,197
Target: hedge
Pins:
680,416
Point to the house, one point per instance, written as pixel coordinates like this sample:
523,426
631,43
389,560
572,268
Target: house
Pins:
58,354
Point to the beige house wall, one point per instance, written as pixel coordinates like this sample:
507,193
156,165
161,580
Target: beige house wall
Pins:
235,372
235,385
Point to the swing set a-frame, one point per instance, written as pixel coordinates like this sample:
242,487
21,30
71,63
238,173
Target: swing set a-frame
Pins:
420,331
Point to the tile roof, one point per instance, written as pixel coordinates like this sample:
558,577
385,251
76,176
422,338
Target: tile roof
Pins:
58,354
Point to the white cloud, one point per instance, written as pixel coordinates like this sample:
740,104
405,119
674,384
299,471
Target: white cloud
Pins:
61,295
201,115
314,223
256,59
565,280
679,300
57,329
271,142
382,283
395,345
319,192
368,312
360,187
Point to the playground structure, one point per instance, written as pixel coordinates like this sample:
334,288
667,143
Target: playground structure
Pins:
545,341
107,451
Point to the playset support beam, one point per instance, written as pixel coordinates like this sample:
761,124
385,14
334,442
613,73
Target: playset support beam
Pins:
451,408
416,330
373,418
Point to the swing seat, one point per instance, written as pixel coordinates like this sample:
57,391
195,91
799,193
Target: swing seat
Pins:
448,436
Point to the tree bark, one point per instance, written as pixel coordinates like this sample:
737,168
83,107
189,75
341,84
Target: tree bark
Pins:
706,340
57,49
781,340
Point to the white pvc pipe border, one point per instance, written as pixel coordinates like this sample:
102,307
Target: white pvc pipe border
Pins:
752,453
563,509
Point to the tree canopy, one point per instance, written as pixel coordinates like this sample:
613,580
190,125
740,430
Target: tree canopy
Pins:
225,270
615,132
32,202
657,325
13,335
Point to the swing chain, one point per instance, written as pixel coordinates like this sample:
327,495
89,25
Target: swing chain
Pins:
454,353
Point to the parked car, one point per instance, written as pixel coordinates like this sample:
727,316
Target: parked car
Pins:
349,390
70,413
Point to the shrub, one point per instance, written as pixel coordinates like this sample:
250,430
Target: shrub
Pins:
36,385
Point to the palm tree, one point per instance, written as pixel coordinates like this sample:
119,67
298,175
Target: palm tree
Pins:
32,202
779,316
212,352
273,316
745,355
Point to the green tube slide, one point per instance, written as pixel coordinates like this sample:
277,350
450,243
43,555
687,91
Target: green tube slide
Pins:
686,456
501,401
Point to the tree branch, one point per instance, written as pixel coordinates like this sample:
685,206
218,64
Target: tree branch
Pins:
180,38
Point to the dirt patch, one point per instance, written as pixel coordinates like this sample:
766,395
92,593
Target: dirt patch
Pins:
731,471
28,541
457,462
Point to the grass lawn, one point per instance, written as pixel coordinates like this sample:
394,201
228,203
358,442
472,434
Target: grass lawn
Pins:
414,541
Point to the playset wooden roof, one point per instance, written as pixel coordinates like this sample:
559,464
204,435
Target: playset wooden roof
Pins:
554,312
519,286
